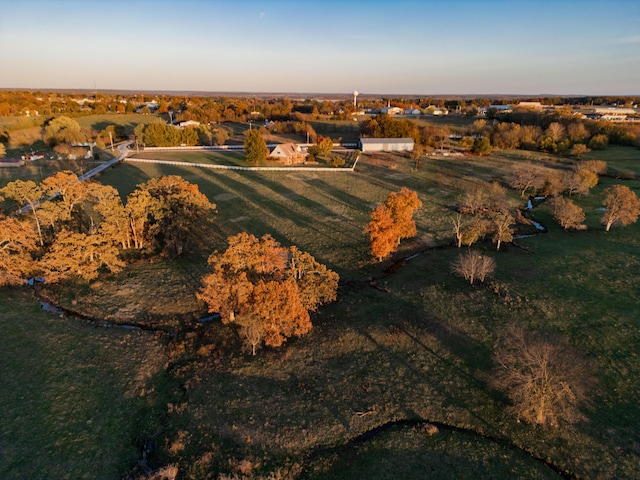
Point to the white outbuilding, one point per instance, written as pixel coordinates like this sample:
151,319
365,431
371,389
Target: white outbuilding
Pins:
386,145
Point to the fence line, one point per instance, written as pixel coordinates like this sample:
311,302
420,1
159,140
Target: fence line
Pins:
232,147
237,167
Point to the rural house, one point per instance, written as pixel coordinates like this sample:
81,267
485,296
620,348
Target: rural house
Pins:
288,152
386,145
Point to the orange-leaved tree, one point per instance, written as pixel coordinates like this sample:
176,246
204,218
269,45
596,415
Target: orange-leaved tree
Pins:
384,234
402,206
172,212
79,255
392,222
18,240
266,288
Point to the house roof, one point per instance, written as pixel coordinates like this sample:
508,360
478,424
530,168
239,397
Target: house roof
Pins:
285,149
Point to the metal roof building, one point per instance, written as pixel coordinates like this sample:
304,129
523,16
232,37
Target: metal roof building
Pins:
386,145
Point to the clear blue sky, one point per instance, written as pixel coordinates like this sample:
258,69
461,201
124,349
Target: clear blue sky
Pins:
403,47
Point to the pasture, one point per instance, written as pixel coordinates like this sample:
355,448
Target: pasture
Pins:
77,401
396,349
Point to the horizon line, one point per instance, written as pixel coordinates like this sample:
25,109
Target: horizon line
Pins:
308,93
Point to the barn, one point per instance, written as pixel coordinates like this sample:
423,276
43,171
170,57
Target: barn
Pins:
386,145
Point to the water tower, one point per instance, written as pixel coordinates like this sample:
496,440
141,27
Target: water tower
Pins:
355,96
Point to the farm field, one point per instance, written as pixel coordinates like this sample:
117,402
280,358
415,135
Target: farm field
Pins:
397,349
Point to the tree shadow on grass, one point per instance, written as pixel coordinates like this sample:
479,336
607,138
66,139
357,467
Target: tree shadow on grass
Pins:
340,195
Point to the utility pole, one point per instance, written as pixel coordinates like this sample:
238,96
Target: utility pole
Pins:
111,139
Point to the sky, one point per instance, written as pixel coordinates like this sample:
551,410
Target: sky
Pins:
439,47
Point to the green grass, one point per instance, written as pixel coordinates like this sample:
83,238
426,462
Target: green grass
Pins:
421,346
424,350
74,399
127,120
618,158
411,453
206,157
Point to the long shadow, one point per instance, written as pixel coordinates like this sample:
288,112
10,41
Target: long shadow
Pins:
340,195
276,209
282,190
469,373
245,194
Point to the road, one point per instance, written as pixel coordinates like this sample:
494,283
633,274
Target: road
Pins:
123,148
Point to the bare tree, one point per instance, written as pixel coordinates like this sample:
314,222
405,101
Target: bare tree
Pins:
621,206
568,214
252,330
524,177
586,180
472,266
502,222
554,183
458,228
599,167
579,149
474,199
545,379
556,131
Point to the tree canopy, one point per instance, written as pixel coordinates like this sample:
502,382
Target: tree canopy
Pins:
392,222
255,147
266,288
384,126
64,227
63,130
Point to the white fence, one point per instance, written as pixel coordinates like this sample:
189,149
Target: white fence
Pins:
237,167
196,147
233,147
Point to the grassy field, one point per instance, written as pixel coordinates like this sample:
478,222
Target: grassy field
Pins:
203,156
417,347
617,158
76,401
41,169
127,120
422,349
20,122
325,212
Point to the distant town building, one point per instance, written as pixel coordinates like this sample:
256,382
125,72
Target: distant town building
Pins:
186,123
609,113
386,145
391,110
433,110
529,105
497,108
